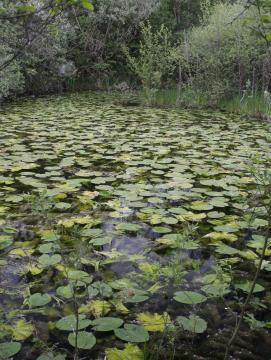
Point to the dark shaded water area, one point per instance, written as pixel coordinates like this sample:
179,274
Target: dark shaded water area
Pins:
156,206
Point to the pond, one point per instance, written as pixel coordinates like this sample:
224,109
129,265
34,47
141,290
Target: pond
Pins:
130,232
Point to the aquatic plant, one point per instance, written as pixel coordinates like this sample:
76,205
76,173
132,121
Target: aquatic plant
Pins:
129,231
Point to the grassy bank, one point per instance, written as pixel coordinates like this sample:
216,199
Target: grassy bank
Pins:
251,105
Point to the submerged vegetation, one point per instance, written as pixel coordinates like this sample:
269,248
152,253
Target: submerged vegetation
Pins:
132,233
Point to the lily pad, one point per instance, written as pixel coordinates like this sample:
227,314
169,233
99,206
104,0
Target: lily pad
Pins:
189,297
132,333
193,324
85,340
47,260
22,330
130,352
154,322
39,299
65,291
107,323
9,349
68,323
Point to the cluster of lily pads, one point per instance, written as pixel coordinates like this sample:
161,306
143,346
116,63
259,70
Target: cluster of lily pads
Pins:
119,224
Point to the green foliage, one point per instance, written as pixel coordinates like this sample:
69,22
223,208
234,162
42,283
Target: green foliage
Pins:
154,59
132,333
193,323
82,340
164,258
189,297
107,323
217,54
38,299
130,352
11,77
68,323
252,105
7,350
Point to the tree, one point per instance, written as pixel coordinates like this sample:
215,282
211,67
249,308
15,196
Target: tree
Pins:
221,55
96,44
153,61
30,41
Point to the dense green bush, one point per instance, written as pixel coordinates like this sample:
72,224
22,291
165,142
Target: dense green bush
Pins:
11,78
218,47
221,55
153,61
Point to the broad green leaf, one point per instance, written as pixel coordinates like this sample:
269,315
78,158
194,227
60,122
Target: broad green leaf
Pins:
107,323
46,260
85,340
65,291
51,356
132,333
79,276
201,206
96,308
9,349
246,286
154,322
189,297
68,323
22,330
130,352
128,227
193,324
39,299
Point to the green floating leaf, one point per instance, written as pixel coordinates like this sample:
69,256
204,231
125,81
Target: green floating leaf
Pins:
219,202
96,307
9,349
201,206
132,333
22,330
219,236
51,356
101,241
129,227
246,286
189,297
104,289
161,229
154,322
47,248
216,214
85,340
107,323
62,206
5,241
227,228
39,299
225,249
79,276
130,352
46,260
65,291
137,299
68,323
92,292
193,323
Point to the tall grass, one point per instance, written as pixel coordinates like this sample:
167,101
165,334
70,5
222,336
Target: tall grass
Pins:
251,105
190,98
170,98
